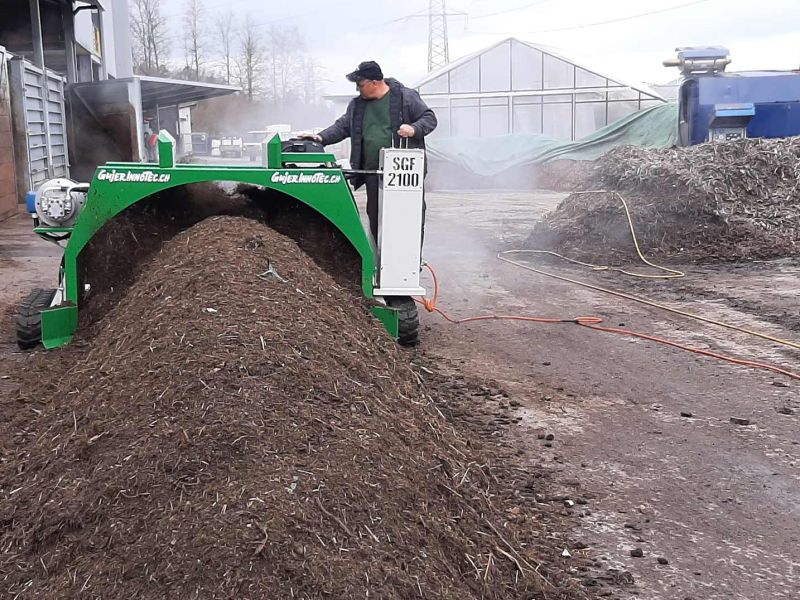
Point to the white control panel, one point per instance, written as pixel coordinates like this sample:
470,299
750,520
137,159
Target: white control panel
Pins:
727,134
400,222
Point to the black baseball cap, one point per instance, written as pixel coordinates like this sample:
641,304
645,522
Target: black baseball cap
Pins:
366,70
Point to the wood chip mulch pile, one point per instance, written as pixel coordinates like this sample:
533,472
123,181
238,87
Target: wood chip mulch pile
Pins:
237,425
731,201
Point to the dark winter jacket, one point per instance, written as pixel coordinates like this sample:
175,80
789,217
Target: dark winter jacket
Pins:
405,106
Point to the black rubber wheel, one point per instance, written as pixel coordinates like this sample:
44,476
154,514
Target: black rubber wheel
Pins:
408,330
28,317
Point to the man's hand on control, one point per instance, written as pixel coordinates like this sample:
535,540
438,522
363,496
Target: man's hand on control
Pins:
406,131
310,136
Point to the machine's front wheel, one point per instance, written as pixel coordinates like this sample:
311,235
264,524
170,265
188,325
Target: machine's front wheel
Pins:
408,329
28,317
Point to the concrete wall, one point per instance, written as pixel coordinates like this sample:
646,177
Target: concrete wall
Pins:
109,42
116,41
84,30
8,179
122,38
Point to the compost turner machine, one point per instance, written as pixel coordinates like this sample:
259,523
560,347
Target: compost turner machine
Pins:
72,213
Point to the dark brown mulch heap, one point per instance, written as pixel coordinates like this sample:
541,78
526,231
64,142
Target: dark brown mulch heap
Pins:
315,236
227,432
713,202
114,256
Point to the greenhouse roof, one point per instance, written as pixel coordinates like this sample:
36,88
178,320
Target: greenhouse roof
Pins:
638,86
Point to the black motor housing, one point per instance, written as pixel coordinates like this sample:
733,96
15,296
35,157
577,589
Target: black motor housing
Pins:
303,146
299,145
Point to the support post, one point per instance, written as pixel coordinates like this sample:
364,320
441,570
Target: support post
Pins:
101,49
69,43
166,150
36,27
274,152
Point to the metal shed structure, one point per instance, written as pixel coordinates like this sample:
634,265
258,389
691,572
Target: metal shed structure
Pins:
68,97
519,87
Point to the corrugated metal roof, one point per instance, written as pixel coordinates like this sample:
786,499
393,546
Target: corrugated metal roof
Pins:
164,92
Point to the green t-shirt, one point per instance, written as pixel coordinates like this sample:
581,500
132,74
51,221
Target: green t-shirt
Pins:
377,132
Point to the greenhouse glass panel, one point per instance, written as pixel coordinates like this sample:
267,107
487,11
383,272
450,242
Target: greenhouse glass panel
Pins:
555,98
557,121
440,106
646,103
494,116
589,117
465,78
527,115
624,93
558,73
435,86
436,101
584,78
443,123
465,115
526,67
496,69
590,97
618,110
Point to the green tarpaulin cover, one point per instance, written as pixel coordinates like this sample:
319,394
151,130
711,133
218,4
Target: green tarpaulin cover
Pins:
656,127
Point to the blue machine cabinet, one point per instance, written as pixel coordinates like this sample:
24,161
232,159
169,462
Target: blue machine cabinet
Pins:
773,96
716,105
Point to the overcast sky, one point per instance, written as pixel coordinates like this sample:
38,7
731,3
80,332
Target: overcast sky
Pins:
761,34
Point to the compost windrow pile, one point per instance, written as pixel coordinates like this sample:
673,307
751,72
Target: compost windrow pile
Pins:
712,202
239,426
562,175
115,255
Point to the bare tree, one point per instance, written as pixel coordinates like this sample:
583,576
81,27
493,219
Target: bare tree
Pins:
225,37
193,35
251,60
149,37
287,53
312,80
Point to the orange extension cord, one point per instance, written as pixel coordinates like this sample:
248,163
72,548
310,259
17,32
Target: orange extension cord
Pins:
430,305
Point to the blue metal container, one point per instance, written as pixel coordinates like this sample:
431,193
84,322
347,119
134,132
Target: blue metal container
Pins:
30,202
774,96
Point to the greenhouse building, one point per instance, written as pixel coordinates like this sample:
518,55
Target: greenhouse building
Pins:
519,87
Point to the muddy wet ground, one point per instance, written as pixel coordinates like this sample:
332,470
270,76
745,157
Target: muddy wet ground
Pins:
717,501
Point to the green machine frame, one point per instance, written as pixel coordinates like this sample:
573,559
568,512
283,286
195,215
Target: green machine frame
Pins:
116,186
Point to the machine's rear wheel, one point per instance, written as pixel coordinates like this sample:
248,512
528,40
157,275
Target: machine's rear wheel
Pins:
29,317
408,330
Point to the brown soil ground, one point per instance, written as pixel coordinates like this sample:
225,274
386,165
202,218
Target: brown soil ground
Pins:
715,500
